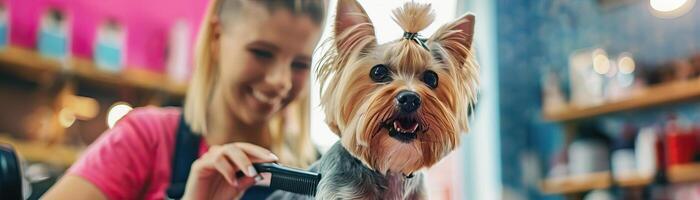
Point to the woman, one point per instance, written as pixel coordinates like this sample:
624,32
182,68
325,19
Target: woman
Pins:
252,62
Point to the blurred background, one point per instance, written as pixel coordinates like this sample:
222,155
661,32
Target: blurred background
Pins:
580,99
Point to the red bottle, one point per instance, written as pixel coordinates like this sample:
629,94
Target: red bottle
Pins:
681,143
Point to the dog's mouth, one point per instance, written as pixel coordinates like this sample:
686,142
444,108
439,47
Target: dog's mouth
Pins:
403,128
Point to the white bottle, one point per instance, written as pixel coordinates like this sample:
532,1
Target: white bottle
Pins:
178,54
646,151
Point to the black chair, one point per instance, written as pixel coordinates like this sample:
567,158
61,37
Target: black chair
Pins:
10,174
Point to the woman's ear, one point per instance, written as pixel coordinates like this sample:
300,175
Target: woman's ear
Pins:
215,42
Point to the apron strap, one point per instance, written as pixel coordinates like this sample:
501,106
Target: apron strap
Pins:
186,152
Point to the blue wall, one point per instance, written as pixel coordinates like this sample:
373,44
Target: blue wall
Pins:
537,35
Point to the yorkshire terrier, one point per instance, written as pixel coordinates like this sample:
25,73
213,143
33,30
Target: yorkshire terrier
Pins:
398,107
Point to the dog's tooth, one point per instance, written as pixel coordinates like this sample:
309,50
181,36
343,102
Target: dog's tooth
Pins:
399,128
414,128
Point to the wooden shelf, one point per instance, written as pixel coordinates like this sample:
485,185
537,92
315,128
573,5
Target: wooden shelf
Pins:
574,184
684,173
657,95
578,183
29,64
35,151
634,181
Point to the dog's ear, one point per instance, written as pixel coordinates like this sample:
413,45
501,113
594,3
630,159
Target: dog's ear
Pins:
455,39
353,28
452,45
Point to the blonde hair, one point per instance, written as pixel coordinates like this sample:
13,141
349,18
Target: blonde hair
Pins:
291,143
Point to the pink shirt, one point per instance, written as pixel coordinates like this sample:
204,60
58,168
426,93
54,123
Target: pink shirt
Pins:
133,159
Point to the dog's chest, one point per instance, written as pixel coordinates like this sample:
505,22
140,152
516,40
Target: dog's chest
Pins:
398,187
344,177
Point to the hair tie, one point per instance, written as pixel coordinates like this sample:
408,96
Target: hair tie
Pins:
416,38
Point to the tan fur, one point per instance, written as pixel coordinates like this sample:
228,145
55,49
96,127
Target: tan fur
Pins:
357,108
414,17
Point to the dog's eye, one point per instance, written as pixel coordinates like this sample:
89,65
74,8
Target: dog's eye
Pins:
380,74
430,78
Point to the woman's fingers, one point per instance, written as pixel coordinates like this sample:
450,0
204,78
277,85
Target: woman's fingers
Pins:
226,169
228,159
258,152
246,182
241,161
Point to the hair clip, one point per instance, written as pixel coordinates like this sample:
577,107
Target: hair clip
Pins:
416,38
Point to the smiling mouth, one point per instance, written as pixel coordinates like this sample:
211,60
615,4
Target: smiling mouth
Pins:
403,129
263,98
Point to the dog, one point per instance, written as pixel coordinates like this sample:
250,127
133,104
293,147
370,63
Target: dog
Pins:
398,107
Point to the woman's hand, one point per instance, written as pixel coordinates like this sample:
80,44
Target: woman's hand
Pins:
213,175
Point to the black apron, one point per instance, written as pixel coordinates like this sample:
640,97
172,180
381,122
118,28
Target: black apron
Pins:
186,152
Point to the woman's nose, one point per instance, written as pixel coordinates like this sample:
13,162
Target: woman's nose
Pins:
278,81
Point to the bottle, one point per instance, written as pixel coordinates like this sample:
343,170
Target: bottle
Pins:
53,35
178,54
4,27
645,151
109,48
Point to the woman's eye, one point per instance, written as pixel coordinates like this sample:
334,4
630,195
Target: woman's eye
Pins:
430,78
380,74
300,65
261,53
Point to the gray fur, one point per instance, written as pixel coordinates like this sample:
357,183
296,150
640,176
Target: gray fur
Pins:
345,177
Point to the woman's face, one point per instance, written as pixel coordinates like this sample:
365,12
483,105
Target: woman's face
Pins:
264,60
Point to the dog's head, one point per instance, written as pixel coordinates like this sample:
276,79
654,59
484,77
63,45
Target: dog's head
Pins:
398,106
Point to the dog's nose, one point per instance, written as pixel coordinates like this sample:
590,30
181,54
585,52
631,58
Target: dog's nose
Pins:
408,101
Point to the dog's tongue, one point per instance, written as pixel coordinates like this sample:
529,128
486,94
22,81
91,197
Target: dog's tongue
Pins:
405,128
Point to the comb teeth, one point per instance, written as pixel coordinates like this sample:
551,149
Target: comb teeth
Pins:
290,179
296,183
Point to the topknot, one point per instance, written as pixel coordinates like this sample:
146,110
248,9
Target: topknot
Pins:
414,17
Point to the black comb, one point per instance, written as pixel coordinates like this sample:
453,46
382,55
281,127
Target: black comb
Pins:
289,179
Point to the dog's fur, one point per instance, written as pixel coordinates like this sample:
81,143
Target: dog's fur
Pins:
370,161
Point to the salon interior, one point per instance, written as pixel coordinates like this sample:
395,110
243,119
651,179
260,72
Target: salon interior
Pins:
577,99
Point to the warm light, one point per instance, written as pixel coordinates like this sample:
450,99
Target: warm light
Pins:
601,63
84,108
670,8
667,5
66,117
626,64
116,112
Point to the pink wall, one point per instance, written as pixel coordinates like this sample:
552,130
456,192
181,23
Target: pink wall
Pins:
148,24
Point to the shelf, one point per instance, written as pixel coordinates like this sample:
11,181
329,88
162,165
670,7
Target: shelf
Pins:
684,173
578,183
39,152
634,181
656,95
29,64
